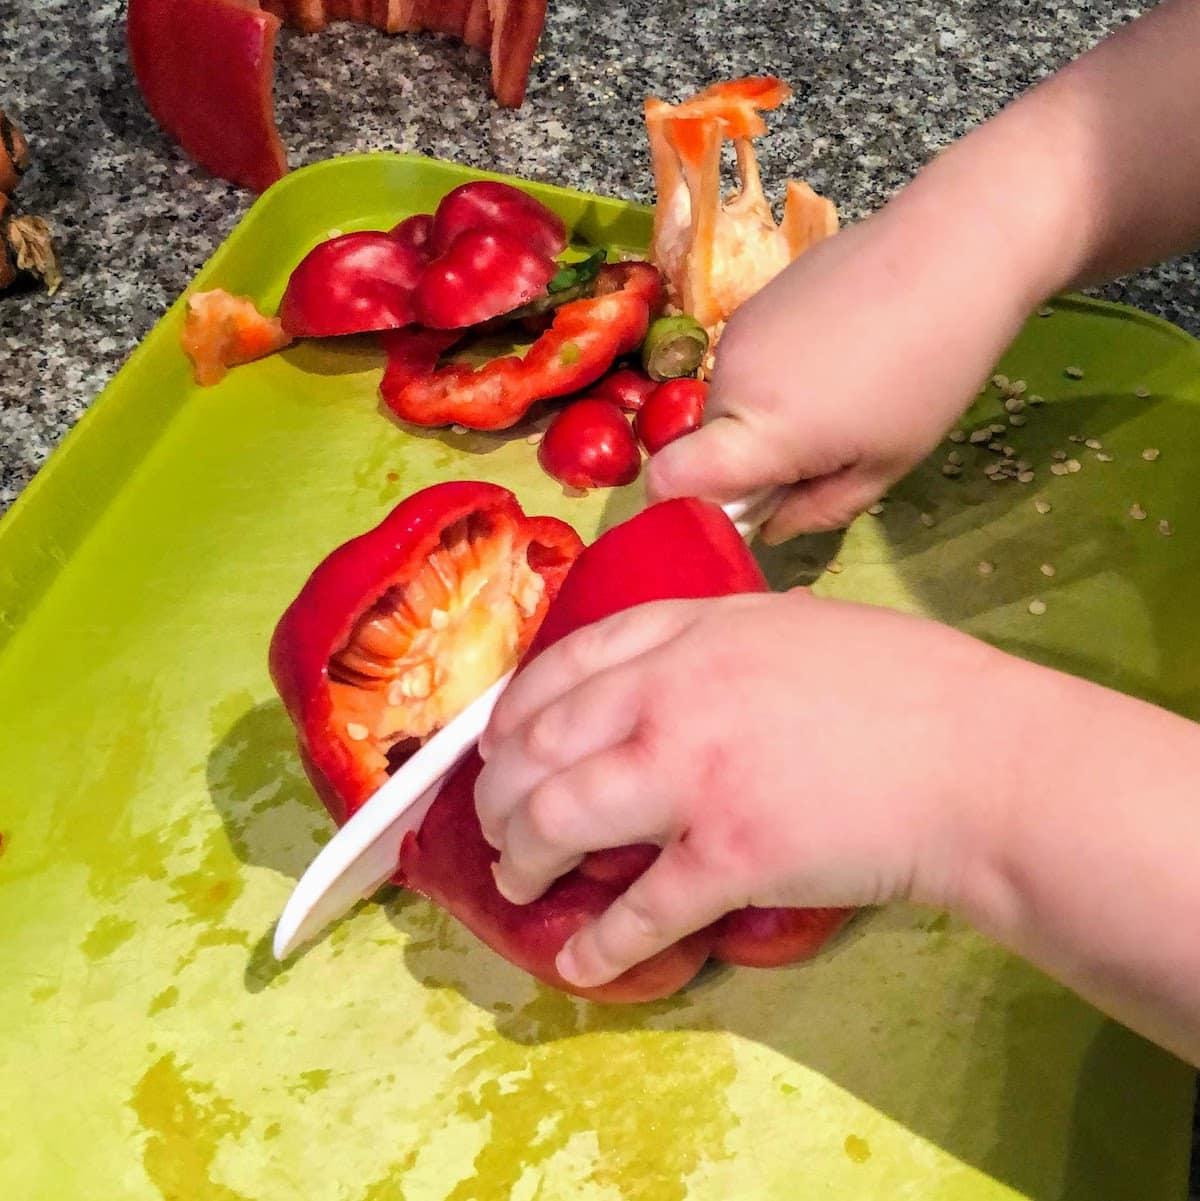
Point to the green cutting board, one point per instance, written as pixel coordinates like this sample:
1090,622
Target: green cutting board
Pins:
155,818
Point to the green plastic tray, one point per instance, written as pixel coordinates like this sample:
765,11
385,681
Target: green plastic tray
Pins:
154,819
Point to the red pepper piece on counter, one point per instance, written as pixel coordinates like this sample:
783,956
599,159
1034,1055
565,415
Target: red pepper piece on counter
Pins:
206,67
355,283
627,388
484,274
222,331
674,408
399,629
449,860
590,445
581,344
487,204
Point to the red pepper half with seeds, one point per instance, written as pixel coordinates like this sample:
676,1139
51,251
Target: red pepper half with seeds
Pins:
206,67
579,347
401,628
680,549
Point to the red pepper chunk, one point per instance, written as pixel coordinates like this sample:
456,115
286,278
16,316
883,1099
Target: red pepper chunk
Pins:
399,629
581,344
675,550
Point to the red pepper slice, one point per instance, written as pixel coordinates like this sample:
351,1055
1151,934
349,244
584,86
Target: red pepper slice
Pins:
205,67
400,628
355,283
449,861
488,204
581,344
222,331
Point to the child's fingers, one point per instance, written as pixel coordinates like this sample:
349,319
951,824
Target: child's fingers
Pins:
829,503
583,653
669,901
600,802
598,713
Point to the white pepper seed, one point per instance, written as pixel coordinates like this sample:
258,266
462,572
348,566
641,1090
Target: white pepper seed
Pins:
979,436
926,520
1058,469
356,731
1019,387
955,458
1141,392
958,435
1150,454
1017,419
998,428
1045,311
1010,450
459,429
996,447
1164,528
1102,457
1075,438
834,567
1000,381
1073,372
1042,506
1037,607
1014,404
1058,455
1137,512
1026,477
986,567
1094,444
1047,569
1074,465
1035,399
535,437
951,470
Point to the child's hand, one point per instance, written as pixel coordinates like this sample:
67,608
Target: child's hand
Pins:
846,369
783,750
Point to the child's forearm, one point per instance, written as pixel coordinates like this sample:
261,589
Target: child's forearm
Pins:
1088,866
1093,173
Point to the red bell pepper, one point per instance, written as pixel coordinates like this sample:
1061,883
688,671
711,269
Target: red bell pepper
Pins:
400,628
487,250
449,860
581,344
353,284
206,67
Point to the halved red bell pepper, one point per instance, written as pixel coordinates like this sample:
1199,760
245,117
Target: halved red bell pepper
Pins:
206,67
399,629
581,344
675,550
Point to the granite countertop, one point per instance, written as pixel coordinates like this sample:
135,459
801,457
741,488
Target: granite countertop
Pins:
879,88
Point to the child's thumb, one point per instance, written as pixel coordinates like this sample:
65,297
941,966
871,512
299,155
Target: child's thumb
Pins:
725,459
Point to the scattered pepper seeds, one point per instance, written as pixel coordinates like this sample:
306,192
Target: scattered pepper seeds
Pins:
1017,419
1025,477
535,437
1137,512
875,509
1000,381
1073,465
1094,444
1073,372
1104,458
1047,569
1164,528
1037,607
954,458
1045,311
833,567
1150,454
1042,506
1059,456
1141,392
978,436
958,435
951,470
1035,399
1058,469
986,567
1014,404
926,520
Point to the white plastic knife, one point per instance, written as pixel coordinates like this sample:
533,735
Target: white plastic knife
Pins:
363,854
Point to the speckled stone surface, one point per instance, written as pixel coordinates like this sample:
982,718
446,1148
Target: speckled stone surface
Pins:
879,86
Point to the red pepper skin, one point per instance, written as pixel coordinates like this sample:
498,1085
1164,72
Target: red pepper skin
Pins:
590,445
353,284
483,274
674,408
349,581
627,389
449,861
581,344
205,68
490,205
415,232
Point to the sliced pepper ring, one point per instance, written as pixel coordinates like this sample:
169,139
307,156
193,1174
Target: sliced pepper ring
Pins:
399,629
